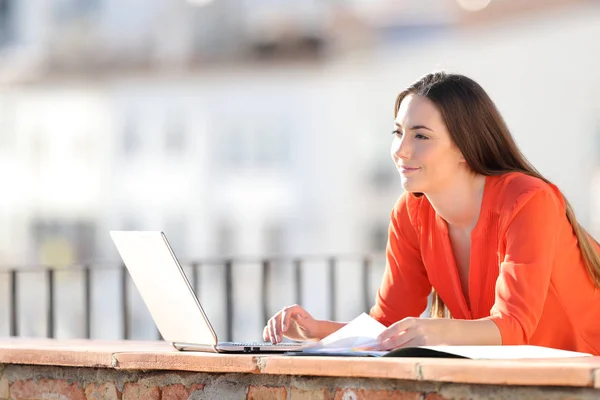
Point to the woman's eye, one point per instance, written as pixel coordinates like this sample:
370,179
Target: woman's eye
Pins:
396,132
419,136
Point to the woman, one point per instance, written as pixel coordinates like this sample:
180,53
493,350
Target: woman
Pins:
498,242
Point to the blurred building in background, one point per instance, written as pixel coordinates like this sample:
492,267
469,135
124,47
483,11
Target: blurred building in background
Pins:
262,126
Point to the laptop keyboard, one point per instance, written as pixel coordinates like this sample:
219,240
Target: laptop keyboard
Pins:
261,344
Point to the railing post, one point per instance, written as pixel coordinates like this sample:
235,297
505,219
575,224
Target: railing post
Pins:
365,284
50,303
14,329
332,291
298,280
87,300
266,277
124,302
229,300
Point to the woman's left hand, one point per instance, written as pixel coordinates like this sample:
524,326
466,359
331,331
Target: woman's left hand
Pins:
414,332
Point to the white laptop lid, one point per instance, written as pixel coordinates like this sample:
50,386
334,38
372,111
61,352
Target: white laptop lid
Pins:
163,287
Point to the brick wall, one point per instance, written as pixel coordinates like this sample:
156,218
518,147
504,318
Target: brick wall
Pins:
22,382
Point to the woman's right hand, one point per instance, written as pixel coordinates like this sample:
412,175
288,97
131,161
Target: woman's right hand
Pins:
293,322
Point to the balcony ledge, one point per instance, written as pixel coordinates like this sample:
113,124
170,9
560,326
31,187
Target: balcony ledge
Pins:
151,357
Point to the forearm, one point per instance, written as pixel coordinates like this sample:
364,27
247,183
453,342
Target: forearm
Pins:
326,328
481,332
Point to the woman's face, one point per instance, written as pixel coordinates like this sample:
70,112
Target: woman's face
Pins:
422,149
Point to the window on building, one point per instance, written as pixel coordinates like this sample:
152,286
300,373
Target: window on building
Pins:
6,22
225,239
131,140
274,238
256,144
175,134
271,144
233,146
73,9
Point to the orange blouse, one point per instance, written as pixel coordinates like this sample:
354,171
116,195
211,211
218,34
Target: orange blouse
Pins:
526,270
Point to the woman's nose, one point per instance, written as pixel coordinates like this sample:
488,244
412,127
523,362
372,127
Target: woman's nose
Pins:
401,148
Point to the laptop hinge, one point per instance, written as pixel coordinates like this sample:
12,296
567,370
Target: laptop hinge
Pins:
195,347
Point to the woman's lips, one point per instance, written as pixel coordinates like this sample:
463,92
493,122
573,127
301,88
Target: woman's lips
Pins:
408,170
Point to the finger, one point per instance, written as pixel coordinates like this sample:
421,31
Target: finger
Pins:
266,332
367,348
287,314
398,341
395,329
269,331
274,330
416,341
372,347
389,334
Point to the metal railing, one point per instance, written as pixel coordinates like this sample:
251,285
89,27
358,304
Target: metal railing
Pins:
296,263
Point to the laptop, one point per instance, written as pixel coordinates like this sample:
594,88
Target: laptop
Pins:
170,299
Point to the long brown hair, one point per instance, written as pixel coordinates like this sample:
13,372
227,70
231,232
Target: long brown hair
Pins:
479,131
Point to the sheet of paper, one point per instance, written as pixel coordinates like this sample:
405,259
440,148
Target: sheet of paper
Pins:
361,331
324,351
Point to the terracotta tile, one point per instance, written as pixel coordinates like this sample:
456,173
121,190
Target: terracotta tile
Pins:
178,391
309,394
4,393
266,393
102,391
46,389
529,373
340,366
434,396
140,391
64,357
187,361
78,353
85,344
